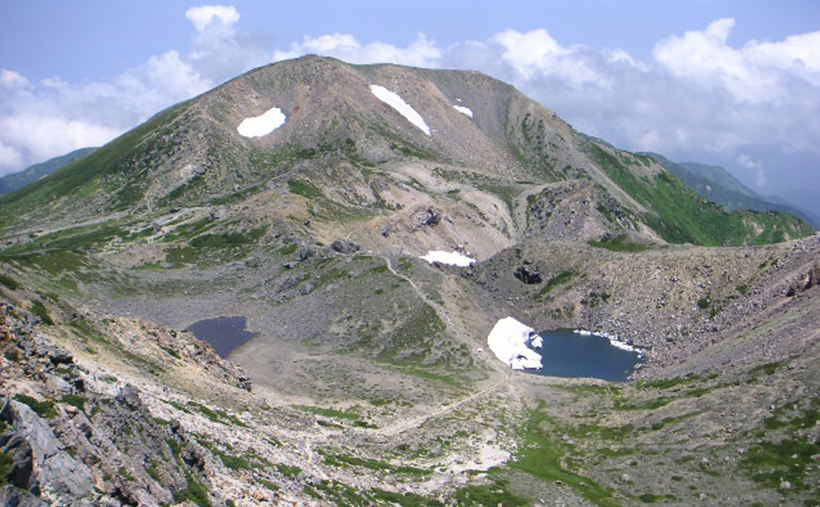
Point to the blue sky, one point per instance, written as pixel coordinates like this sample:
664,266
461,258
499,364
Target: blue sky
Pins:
729,82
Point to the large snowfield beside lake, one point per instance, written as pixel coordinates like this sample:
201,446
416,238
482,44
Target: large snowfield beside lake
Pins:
508,340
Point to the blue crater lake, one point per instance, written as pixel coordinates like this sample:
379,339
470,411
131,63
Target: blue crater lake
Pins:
569,354
225,334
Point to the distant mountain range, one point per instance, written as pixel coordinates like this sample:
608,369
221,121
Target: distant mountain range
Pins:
719,186
12,182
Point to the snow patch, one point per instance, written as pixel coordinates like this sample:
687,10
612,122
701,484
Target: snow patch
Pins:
508,340
397,103
263,124
451,258
613,340
464,110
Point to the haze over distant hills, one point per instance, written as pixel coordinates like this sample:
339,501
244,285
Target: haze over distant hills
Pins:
16,181
718,185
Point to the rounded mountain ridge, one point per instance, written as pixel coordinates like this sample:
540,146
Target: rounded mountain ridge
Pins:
327,100
357,135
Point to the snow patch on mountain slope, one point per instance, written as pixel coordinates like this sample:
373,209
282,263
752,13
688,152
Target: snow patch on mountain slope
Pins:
451,258
393,100
262,125
464,110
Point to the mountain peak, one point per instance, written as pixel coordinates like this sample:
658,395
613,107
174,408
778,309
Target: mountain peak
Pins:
359,134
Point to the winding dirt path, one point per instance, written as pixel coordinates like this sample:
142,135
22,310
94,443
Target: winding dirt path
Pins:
442,313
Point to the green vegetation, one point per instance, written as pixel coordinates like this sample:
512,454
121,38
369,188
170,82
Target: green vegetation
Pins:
218,415
77,240
672,382
125,474
405,499
228,240
592,299
288,470
620,243
235,462
542,456
305,189
186,189
40,310
269,484
767,368
786,452
229,460
189,230
489,495
196,493
44,409
171,352
6,462
559,279
330,412
288,249
268,163
652,498
769,463
679,215
8,282
74,400
213,247
153,471
342,494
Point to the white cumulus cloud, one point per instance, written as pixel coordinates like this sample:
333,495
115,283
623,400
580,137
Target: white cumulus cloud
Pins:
11,80
421,53
204,15
755,166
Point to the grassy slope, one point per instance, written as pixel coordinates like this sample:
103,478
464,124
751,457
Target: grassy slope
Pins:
17,181
681,216
84,177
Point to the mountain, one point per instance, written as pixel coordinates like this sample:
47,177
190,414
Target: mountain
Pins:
345,144
12,182
805,198
353,236
718,185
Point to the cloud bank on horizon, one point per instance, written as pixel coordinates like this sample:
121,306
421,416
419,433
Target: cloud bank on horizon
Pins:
697,96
